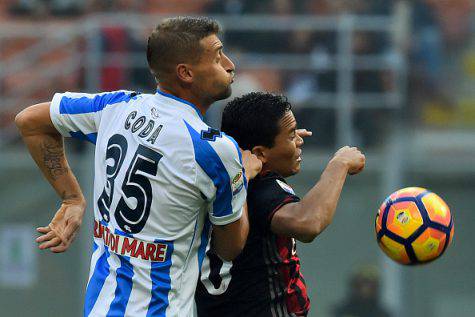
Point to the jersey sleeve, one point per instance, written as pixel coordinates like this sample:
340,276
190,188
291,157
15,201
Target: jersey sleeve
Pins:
220,175
266,196
79,115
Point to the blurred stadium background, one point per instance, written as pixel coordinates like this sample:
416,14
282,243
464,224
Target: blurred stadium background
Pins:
394,77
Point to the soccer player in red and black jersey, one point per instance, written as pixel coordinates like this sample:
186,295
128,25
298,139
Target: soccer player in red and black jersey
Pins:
265,279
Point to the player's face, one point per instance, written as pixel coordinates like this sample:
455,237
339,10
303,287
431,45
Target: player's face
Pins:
214,72
285,156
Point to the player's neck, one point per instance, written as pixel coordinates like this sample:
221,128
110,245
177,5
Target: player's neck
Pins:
186,95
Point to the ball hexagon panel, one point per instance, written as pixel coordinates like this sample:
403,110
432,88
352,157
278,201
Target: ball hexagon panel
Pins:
404,218
437,209
429,244
394,250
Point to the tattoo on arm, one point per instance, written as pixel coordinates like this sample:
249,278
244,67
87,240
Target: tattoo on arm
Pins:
53,158
66,196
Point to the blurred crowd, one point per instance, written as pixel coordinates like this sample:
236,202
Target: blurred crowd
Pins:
441,34
62,8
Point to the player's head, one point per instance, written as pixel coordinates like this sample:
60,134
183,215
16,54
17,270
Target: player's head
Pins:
264,123
187,52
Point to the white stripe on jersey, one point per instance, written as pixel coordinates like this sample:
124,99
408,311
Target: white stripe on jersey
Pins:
140,295
101,308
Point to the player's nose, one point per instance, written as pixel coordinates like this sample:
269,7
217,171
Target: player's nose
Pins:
228,64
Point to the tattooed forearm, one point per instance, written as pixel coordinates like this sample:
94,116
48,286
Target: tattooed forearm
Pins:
66,196
53,158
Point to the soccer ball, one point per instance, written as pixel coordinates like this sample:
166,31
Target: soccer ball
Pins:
414,226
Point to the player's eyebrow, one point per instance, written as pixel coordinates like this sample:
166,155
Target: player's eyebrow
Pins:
293,128
219,48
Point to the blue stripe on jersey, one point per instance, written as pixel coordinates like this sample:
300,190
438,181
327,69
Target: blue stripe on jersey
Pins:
240,157
91,137
98,102
94,246
124,287
204,241
161,283
211,163
101,271
181,100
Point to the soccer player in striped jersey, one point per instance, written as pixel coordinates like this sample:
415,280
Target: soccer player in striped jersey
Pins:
163,178
265,279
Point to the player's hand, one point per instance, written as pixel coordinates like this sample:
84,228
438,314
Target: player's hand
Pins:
252,165
352,157
303,133
64,226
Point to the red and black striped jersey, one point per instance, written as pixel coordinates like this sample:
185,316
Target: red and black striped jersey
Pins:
265,279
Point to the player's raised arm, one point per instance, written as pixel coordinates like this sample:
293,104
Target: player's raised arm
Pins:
45,144
306,219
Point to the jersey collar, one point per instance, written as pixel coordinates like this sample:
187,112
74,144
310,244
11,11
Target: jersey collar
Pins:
180,100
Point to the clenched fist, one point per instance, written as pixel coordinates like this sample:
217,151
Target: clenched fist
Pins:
352,158
252,165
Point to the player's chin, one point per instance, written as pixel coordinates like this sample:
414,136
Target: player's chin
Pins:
225,93
296,168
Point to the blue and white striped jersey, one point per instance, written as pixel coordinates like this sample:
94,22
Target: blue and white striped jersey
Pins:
162,176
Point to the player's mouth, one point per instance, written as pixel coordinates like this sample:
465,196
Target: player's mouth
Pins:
299,157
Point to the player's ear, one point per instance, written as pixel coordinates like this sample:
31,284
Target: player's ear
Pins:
184,73
261,152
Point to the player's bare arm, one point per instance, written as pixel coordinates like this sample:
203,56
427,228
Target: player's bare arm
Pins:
229,240
306,219
45,145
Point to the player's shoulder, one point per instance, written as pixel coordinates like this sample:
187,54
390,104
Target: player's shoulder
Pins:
212,142
105,96
92,102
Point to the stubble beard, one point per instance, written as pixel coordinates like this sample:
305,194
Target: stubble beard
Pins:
225,93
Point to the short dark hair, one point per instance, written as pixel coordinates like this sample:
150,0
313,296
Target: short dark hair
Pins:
177,40
254,118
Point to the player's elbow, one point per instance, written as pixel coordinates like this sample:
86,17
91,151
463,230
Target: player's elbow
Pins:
27,121
22,120
35,120
307,236
312,227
